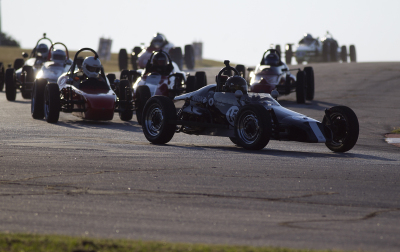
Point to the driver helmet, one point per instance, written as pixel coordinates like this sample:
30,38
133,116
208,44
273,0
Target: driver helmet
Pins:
272,59
236,83
42,49
160,61
158,40
91,67
58,55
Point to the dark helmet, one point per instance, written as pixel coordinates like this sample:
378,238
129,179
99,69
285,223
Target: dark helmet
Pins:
272,59
236,83
158,40
43,50
160,61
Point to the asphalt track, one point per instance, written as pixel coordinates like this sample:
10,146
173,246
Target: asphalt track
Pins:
103,179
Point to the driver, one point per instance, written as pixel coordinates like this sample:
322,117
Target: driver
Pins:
160,63
236,83
272,59
158,41
90,70
58,56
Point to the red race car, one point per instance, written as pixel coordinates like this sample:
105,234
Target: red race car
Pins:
272,74
83,91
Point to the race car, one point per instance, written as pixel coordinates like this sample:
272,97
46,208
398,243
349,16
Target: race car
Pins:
140,54
272,74
23,74
161,76
250,120
325,49
83,91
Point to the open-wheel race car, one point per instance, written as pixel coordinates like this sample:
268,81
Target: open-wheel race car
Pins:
83,91
161,76
250,120
140,54
325,49
23,74
272,74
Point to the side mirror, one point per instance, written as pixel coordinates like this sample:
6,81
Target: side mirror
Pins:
274,94
238,94
25,55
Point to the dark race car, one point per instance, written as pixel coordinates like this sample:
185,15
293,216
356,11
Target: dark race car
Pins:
250,120
83,91
272,74
23,74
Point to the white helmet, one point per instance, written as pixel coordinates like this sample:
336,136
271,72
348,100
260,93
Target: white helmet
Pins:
91,67
158,41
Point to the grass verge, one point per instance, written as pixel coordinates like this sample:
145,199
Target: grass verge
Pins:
396,131
53,243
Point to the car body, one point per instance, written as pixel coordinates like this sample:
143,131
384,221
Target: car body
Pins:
89,99
325,49
250,120
276,75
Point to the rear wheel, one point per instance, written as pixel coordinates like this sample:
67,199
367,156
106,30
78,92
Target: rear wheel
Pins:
189,57
334,53
242,70
325,52
201,80
301,87
176,56
253,127
29,78
18,63
343,54
353,57
310,89
52,103
288,54
125,101
11,84
122,59
190,84
2,76
37,102
111,78
345,128
142,95
157,113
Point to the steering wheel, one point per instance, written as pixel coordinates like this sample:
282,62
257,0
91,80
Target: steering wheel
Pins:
71,70
218,77
51,48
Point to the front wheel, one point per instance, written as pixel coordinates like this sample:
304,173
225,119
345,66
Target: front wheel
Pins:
52,103
11,84
253,127
242,70
1,76
310,87
37,102
125,101
189,57
157,114
201,80
344,126
142,95
301,87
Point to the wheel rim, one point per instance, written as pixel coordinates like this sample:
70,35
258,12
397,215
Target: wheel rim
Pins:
154,120
248,127
339,129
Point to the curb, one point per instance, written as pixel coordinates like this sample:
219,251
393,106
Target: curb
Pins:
393,139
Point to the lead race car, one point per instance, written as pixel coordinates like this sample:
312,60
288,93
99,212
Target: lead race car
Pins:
84,91
250,120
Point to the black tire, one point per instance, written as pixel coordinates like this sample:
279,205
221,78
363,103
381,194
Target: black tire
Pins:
124,75
111,78
253,127
157,113
11,84
37,102
325,52
310,85
353,56
190,84
345,128
122,59
334,53
278,49
2,76
29,77
189,57
134,57
343,54
301,87
125,101
52,103
201,80
142,96
242,70
177,56
288,54
234,140
18,63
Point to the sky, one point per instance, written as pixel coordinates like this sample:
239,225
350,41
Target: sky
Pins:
237,30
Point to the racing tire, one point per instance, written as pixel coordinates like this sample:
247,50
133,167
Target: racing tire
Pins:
111,78
325,52
278,49
157,114
201,80
18,63
242,70
190,84
301,87
253,127
124,75
177,56
122,59
334,53
52,103
288,54
189,57
11,84
29,78
2,75
343,54
125,101
310,86
37,102
353,57
142,96
345,128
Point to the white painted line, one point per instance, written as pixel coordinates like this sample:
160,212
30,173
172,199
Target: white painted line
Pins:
393,140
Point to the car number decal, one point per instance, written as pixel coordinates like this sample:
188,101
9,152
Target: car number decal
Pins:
231,114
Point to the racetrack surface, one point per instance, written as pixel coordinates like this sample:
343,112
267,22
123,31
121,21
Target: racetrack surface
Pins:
103,179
